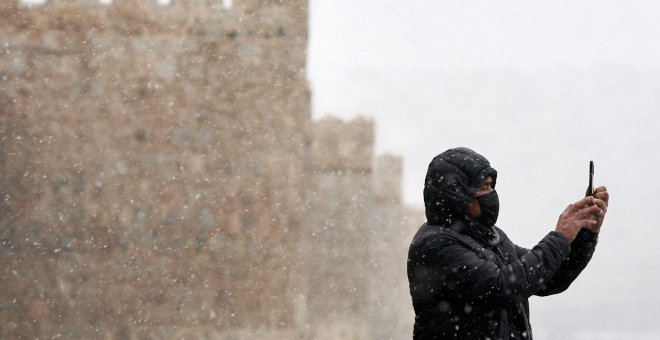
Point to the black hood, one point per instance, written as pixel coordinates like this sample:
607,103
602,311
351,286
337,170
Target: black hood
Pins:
452,178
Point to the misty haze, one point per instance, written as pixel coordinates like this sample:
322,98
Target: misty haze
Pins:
252,169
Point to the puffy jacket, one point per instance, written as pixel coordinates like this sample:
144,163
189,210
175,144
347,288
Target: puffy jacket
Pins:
464,285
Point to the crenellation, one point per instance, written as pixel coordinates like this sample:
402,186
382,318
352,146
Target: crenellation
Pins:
7,4
343,147
73,3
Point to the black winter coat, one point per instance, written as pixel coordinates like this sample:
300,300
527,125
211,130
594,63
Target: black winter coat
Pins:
463,286
462,289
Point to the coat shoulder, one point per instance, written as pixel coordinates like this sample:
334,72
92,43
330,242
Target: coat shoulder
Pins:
430,239
432,235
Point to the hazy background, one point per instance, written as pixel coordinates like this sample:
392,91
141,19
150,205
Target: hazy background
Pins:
539,88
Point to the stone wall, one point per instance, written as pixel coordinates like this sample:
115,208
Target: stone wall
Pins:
393,225
160,177
152,166
354,254
336,247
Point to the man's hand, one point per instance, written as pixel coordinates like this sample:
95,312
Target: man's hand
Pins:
601,199
582,213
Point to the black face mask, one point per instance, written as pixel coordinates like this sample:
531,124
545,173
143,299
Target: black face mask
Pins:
490,208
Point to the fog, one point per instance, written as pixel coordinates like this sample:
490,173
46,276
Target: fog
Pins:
538,88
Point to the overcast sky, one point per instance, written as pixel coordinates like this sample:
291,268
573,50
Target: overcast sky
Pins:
412,65
539,88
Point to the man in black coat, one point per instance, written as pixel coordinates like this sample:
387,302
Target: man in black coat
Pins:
467,279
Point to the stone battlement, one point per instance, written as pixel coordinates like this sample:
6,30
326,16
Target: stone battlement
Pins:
339,146
254,19
217,8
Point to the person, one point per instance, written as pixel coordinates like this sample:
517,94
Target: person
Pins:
467,279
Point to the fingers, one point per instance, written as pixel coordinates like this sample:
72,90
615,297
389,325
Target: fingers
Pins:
581,209
600,189
592,226
600,215
581,204
588,212
590,205
588,223
586,207
601,193
600,204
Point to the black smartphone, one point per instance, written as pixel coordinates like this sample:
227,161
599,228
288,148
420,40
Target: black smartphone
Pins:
590,188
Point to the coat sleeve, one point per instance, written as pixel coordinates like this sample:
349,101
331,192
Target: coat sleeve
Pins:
582,249
466,276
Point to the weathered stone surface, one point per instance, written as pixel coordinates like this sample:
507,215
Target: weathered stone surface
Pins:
160,177
387,179
340,147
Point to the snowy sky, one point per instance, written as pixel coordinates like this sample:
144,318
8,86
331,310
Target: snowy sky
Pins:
413,67
539,88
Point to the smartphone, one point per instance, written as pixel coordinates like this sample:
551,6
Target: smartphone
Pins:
590,188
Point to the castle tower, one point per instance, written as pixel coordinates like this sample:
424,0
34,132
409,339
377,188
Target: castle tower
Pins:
153,168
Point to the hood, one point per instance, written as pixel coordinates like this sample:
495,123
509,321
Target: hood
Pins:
452,178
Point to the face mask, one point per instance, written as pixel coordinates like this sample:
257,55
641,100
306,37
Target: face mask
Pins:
490,208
